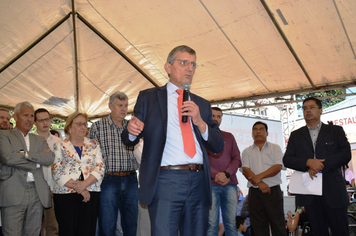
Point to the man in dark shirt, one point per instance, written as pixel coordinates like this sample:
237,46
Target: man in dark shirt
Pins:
224,182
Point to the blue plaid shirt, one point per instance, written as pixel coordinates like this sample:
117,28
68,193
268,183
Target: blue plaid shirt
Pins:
117,157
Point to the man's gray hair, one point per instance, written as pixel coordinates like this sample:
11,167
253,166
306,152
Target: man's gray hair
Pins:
20,105
120,95
182,48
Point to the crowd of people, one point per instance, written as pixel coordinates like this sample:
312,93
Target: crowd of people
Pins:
87,183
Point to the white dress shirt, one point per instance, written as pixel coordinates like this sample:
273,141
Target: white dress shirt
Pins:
259,161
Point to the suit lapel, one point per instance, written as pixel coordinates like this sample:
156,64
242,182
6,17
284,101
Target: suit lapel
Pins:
162,101
324,129
32,142
193,98
306,134
71,149
19,135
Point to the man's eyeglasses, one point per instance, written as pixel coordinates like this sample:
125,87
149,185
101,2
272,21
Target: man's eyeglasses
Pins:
79,124
44,120
187,63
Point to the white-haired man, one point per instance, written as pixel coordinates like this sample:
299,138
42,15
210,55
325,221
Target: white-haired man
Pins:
23,191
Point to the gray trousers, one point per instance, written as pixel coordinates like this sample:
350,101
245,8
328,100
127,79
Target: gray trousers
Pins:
24,219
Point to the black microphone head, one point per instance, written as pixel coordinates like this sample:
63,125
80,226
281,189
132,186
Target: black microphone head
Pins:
186,86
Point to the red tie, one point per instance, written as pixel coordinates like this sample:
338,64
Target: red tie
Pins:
187,133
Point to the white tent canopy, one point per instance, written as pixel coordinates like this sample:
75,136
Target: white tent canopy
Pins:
70,56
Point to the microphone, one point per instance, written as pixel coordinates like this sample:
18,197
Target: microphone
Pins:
186,87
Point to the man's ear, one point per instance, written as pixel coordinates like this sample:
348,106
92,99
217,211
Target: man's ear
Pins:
266,134
168,68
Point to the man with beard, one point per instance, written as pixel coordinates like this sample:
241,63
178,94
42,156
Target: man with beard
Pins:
4,119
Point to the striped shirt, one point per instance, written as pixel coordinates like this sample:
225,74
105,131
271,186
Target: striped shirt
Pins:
117,157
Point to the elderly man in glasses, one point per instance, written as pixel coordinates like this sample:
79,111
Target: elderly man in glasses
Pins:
174,171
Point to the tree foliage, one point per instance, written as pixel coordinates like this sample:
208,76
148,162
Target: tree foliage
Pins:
324,102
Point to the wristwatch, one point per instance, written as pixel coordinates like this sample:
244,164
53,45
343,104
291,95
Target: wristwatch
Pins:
227,174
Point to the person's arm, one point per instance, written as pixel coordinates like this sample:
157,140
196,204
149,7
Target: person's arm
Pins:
45,156
270,172
215,141
96,175
59,173
235,162
249,175
338,151
13,158
291,158
132,133
230,149
80,186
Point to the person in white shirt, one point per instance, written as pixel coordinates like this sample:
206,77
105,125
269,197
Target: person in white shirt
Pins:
262,165
43,125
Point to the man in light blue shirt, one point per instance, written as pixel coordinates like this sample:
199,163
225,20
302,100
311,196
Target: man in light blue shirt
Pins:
174,185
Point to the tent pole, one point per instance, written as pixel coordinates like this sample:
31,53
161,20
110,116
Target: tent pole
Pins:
285,39
75,57
97,32
35,42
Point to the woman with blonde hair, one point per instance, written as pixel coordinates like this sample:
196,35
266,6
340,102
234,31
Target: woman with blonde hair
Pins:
78,170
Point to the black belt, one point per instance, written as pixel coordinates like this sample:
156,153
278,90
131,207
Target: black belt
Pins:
121,173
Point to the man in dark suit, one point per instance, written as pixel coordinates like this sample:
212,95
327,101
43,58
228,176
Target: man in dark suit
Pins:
316,148
175,185
23,191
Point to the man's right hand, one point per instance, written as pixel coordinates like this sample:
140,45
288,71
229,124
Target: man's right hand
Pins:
135,126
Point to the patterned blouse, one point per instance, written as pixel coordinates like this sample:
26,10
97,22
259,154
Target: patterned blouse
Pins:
67,165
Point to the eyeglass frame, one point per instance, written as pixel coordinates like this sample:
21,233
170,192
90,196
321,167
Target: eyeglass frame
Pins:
43,120
80,124
186,63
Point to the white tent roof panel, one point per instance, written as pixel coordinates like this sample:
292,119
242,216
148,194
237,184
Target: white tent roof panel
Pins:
244,49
